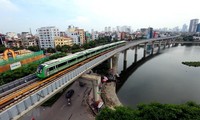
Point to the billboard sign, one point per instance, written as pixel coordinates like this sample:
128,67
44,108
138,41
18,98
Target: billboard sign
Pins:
15,65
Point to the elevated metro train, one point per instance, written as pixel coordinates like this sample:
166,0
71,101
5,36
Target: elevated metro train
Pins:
51,67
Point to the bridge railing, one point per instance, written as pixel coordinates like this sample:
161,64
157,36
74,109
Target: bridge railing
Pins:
37,98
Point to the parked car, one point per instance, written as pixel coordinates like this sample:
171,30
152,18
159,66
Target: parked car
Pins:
69,93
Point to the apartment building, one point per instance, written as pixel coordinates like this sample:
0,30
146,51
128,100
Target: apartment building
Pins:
63,41
47,36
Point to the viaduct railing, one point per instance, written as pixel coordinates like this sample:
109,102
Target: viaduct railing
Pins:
39,97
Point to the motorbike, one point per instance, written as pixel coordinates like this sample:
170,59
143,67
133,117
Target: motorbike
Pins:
68,101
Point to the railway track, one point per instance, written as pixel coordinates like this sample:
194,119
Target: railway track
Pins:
16,96
11,90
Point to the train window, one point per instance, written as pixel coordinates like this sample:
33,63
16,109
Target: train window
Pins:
71,60
62,64
87,54
92,52
79,57
51,68
98,50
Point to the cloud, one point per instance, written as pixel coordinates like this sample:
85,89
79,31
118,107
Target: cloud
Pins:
8,6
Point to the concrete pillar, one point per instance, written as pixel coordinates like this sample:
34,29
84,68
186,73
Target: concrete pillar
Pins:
159,45
95,84
111,63
152,49
164,44
125,59
145,50
135,57
174,42
115,63
169,42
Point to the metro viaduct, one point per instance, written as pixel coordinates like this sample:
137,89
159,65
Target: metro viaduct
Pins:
26,104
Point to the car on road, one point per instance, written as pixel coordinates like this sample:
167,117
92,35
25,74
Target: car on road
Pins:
69,93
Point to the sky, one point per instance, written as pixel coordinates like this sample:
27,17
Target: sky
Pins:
21,15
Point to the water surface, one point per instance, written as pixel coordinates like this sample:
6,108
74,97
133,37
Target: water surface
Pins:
163,79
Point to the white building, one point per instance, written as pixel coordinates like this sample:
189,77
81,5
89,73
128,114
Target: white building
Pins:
106,29
95,35
11,35
193,25
71,32
46,36
118,29
184,28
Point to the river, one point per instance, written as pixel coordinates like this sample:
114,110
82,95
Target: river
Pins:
162,79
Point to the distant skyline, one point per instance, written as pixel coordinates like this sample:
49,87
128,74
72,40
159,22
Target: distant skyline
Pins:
20,15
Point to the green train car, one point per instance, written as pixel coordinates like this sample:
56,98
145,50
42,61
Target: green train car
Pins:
51,67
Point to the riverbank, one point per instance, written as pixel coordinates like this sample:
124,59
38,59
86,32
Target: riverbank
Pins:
109,95
193,64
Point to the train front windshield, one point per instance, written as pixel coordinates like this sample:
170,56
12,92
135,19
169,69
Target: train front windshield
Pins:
39,69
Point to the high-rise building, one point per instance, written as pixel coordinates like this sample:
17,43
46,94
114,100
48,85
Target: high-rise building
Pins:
184,28
47,35
81,33
193,25
175,29
198,27
109,29
118,29
150,32
106,29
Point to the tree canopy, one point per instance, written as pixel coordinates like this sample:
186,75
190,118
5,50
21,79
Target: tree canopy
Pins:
153,111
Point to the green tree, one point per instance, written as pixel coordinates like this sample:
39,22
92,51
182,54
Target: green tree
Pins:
51,50
92,44
65,48
33,48
75,47
153,111
187,37
85,46
58,48
2,48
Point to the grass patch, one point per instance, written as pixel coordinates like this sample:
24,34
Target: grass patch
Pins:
193,64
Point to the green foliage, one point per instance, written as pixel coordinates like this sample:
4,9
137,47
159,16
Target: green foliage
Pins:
15,48
2,48
187,37
65,48
90,44
58,48
193,64
33,48
86,46
153,111
25,70
51,50
55,56
77,50
75,47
